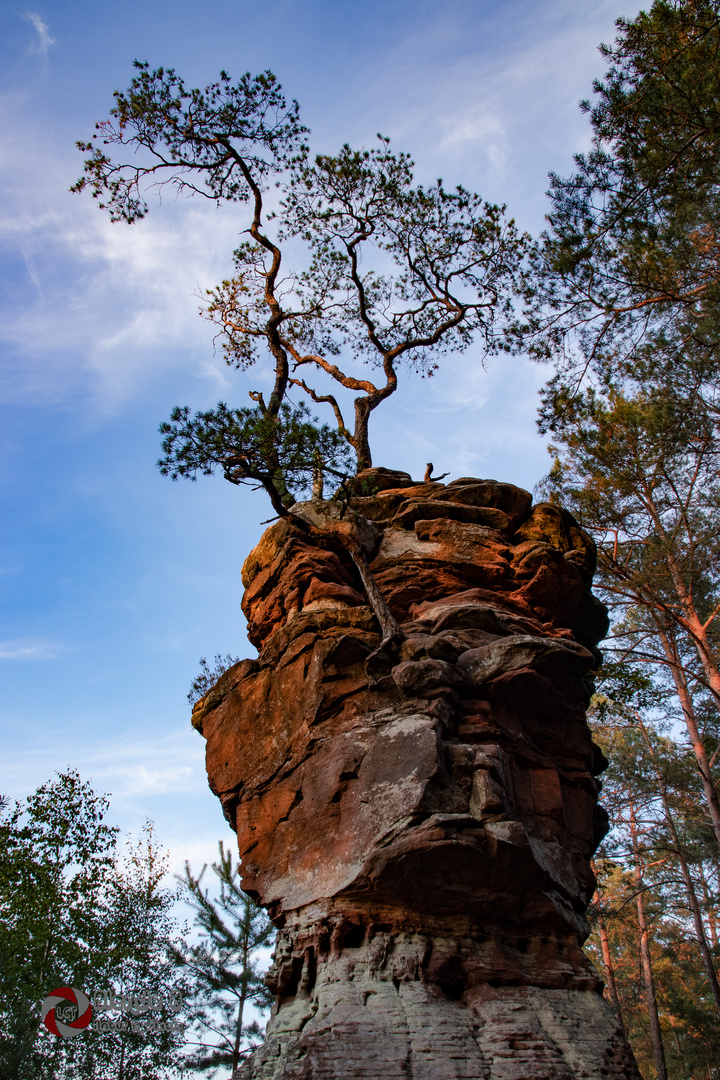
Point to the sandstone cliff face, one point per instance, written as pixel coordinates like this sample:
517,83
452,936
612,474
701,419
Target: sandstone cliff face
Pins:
419,822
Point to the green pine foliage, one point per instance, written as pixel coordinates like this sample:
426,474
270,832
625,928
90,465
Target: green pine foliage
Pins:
662,854
76,911
623,299
208,676
281,453
630,259
351,274
228,992
140,927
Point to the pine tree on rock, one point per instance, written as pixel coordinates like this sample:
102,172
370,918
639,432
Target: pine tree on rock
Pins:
394,273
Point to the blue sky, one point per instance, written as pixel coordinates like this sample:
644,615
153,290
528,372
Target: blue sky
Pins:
113,580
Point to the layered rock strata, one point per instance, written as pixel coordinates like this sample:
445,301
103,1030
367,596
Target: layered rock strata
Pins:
419,821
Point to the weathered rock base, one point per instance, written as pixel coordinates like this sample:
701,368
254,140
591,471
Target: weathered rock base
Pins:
357,1000
364,1002
382,1030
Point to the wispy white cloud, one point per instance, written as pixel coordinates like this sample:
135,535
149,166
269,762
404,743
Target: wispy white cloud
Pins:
157,779
144,774
147,775
491,107
94,311
476,125
105,311
169,764
29,649
110,307
43,41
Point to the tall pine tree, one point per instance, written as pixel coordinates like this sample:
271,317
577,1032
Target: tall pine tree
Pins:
228,992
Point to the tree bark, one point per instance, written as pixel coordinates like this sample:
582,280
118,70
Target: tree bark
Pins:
391,632
688,710
687,617
610,973
361,442
238,1030
712,923
645,958
389,626
243,991
687,877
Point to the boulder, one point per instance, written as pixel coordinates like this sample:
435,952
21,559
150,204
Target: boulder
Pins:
419,820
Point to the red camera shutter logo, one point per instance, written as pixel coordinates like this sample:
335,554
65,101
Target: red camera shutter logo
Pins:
66,1011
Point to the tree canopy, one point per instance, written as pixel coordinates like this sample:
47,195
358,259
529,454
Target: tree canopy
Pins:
623,298
73,912
628,272
394,273
630,299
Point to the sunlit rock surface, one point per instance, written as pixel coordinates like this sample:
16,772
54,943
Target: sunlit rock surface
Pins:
420,825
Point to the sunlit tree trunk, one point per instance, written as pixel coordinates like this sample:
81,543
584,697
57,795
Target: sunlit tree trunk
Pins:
686,703
610,972
685,870
645,958
712,922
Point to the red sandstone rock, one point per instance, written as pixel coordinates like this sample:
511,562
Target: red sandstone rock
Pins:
420,825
